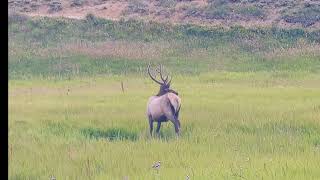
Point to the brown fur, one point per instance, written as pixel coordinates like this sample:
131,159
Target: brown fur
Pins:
164,106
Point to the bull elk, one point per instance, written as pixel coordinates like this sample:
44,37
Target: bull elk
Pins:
165,105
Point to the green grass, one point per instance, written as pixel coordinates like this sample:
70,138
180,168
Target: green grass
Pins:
250,101
250,125
39,47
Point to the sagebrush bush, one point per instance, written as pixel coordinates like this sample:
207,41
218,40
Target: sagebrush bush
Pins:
251,12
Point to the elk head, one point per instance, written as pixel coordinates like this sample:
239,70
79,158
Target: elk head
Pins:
165,84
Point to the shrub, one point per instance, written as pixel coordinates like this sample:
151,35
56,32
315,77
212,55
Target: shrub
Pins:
306,16
136,7
166,3
251,11
218,2
217,12
92,19
77,3
16,18
193,12
54,6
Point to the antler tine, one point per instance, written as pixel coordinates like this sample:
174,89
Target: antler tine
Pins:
164,80
152,76
169,81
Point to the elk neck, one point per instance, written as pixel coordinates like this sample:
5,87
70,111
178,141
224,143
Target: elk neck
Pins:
163,92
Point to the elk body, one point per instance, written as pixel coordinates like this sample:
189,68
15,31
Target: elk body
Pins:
165,106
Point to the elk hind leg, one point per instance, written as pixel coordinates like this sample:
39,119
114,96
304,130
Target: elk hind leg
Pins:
176,116
176,124
150,124
158,127
176,119
177,127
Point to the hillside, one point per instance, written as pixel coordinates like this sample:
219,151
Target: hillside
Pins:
79,87
226,13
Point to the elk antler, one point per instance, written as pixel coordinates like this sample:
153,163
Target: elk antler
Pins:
152,76
160,72
169,81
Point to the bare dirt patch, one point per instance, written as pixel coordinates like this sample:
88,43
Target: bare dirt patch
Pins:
199,12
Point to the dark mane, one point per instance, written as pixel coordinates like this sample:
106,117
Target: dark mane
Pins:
160,93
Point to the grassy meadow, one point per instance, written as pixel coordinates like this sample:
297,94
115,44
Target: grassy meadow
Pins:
250,101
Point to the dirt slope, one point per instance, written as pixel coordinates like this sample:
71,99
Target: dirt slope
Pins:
247,13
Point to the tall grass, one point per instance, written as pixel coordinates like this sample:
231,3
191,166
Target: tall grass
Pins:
67,48
234,126
250,101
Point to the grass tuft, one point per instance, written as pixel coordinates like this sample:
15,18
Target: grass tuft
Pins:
112,134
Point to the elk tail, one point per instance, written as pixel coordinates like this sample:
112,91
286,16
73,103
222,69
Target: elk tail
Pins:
174,104
172,109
